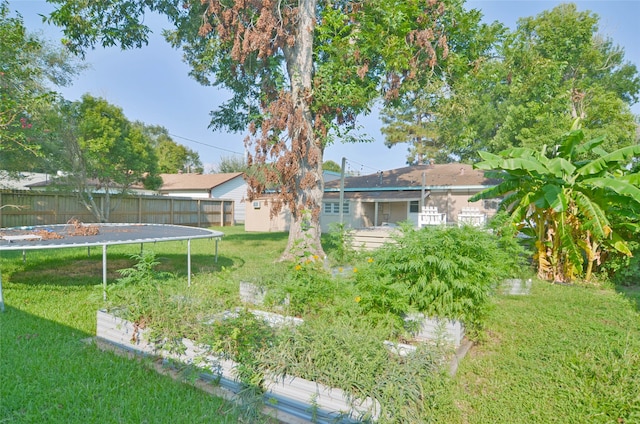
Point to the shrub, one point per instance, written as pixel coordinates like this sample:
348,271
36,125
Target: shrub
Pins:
304,288
443,272
139,289
340,243
622,269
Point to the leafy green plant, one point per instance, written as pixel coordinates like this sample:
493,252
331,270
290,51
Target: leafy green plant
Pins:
566,199
379,296
305,288
340,243
347,353
239,337
445,272
139,288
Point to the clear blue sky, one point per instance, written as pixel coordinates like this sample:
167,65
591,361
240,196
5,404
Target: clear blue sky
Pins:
152,84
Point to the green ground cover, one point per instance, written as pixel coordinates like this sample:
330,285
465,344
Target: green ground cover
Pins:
561,354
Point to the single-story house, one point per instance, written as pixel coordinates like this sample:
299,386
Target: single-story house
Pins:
22,181
229,186
396,195
389,197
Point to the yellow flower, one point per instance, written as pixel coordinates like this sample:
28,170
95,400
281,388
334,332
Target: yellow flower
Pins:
340,269
298,267
370,260
316,257
355,269
308,261
358,299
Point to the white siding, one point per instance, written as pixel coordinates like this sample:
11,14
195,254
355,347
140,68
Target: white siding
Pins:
236,190
196,194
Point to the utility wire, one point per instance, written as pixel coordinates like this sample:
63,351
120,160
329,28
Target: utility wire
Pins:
362,166
349,161
205,144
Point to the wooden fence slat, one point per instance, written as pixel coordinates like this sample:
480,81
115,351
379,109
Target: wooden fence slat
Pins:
28,208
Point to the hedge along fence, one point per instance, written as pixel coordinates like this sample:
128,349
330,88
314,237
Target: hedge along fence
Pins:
27,208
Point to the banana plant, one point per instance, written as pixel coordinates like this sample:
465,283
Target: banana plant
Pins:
565,199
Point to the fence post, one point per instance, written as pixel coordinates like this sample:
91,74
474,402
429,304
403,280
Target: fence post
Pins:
199,210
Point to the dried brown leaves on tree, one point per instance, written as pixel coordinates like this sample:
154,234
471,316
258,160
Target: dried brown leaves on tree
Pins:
287,143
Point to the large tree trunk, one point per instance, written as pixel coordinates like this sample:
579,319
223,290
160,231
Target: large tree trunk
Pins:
304,231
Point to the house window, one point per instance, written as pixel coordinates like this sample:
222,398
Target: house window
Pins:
414,206
492,204
331,208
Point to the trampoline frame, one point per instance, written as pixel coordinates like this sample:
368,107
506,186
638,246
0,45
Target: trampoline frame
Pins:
23,239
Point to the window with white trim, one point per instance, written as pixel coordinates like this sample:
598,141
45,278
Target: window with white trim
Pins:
332,208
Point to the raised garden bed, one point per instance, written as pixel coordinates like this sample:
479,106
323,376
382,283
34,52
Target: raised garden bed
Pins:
434,329
290,397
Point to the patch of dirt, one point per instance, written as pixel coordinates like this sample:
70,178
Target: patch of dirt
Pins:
486,346
78,269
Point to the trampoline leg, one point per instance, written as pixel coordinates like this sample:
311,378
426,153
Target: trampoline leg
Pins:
24,256
189,263
104,272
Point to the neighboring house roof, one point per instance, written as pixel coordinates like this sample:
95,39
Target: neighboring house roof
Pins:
330,175
204,182
403,183
60,181
23,181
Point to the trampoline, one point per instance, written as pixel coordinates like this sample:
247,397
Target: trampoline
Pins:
87,235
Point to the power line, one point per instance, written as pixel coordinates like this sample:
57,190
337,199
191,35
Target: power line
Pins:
362,166
205,144
349,161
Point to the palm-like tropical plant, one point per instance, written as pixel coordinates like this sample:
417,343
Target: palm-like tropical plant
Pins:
566,199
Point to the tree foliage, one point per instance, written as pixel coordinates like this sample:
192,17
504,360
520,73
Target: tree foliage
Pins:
28,65
555,67
229,164
329,165
573,208
172,157
298,72
412,118
100,151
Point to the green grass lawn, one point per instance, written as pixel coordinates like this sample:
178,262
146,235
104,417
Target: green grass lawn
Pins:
564,354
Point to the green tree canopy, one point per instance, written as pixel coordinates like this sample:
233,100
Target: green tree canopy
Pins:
172,157
332,166
230,164
555,67
412,117
297,72
28,66
99,150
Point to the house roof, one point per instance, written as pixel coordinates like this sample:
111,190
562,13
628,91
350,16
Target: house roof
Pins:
23,180
381,196
175,182
410,177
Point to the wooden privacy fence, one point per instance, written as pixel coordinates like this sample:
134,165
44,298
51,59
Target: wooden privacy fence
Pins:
27,208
